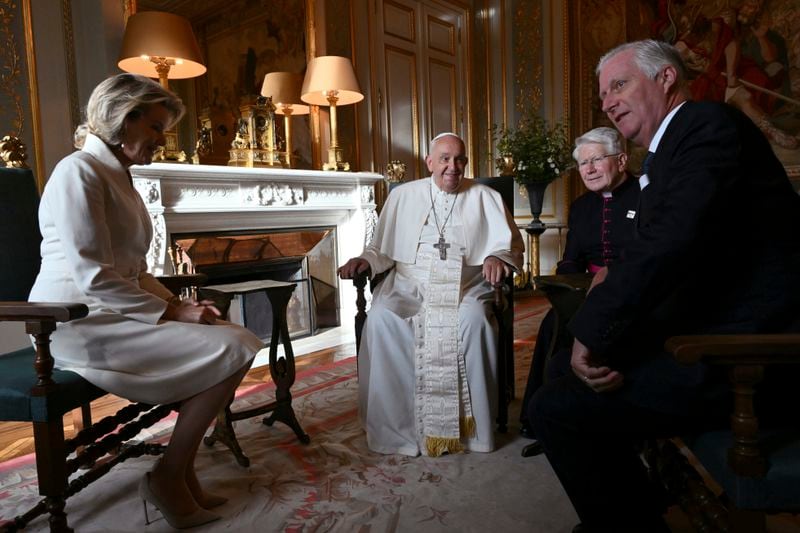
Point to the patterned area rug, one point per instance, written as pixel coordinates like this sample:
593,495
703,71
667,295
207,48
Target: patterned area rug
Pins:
529,310
333,484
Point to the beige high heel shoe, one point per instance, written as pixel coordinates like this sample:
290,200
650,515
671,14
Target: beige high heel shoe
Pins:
197,518
212,500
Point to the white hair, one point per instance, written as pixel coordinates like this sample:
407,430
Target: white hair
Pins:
609,138
650,57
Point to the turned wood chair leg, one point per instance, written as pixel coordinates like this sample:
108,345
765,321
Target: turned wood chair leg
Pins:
51,470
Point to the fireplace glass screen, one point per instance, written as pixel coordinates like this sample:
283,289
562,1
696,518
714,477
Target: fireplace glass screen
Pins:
306,257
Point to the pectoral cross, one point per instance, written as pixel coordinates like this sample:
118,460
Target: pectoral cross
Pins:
442,246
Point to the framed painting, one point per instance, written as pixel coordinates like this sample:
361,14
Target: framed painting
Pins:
745,53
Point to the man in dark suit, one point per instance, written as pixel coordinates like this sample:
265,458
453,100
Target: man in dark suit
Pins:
717,250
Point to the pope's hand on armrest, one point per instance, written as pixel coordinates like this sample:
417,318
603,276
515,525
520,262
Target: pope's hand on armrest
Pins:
354,266
495,270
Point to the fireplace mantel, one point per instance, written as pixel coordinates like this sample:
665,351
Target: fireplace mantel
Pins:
205,198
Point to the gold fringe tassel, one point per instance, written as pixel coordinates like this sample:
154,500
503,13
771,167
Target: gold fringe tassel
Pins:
467,426
436,446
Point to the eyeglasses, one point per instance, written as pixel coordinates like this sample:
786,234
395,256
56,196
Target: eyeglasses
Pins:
595,160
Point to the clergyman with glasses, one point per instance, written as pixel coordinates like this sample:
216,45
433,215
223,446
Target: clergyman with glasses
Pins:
428,356
601,223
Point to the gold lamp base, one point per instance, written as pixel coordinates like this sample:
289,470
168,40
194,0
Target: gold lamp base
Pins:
335,162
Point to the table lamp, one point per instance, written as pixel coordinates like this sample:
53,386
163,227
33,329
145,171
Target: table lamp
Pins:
331,81
161,45
284,89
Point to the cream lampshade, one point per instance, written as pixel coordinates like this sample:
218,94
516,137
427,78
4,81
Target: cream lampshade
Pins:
284,89
161,45
331,81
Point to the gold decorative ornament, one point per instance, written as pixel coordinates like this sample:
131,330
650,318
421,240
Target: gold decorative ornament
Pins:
255,143
204,144
505,164
12,151
395,171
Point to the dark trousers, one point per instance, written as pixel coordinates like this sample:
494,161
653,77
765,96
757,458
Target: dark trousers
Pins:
591,440
536,374
544,364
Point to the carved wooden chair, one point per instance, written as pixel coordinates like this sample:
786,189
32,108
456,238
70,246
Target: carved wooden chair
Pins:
31,390
503,307
756,464
757,468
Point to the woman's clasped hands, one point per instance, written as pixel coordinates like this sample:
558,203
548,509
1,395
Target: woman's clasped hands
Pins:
192,311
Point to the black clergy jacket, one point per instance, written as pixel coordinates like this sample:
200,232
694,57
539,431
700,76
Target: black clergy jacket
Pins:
599,229
716,250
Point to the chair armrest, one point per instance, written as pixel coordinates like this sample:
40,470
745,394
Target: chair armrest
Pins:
34,311
735,349
361,278
177,281
566,293
360,282
746,355
502,295
575,282
40,321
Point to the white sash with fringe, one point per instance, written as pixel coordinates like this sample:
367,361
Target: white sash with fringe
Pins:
442,397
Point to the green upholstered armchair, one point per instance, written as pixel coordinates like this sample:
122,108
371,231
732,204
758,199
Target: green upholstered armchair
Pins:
31,390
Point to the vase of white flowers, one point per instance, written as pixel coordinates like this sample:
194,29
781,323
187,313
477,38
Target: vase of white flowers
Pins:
541,153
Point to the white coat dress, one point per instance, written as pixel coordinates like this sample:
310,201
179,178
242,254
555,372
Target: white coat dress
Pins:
96,233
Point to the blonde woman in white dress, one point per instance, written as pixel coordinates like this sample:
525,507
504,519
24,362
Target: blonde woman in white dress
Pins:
137,342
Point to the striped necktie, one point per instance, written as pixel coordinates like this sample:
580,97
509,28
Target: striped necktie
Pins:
646,164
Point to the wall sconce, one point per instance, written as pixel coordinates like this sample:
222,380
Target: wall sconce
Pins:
161,45
331,81
284,89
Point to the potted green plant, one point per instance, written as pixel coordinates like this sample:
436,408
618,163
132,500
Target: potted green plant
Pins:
539,152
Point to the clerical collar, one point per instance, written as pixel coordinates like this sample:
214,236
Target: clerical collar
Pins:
607,194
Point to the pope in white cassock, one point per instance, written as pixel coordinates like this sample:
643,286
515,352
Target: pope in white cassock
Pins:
428,361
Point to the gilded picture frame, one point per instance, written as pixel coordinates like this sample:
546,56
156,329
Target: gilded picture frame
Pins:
19,91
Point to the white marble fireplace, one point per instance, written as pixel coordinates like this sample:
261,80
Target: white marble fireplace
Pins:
206,199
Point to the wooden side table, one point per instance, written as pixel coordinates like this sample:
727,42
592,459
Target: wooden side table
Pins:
282,370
